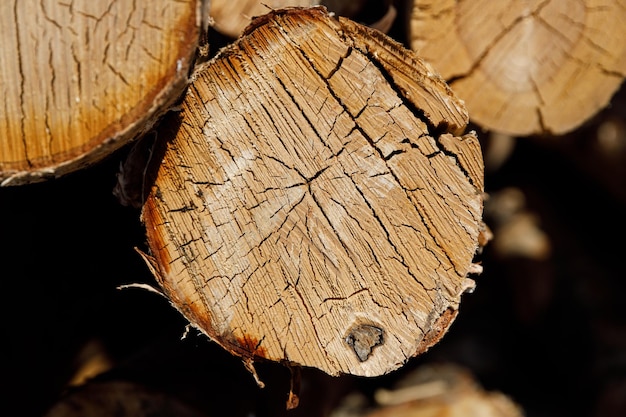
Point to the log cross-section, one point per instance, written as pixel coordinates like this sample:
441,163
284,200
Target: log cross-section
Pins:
315,205
525,67
80,79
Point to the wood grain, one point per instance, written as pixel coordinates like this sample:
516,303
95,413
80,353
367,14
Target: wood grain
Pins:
525,67
315,205
82,78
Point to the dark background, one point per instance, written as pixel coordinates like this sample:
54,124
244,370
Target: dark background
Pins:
550,333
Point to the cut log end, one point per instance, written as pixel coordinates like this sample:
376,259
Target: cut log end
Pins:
525,68
314,205
79,85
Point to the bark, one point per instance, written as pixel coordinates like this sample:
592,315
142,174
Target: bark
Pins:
81,79
526,67
319,204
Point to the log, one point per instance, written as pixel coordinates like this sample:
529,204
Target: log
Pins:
121,399
442,390
319,204
230,18
525,68
81,79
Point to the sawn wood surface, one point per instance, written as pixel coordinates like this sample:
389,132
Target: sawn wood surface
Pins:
319,204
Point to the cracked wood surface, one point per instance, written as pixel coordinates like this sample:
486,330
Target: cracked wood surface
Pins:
525,67
82,78
319,203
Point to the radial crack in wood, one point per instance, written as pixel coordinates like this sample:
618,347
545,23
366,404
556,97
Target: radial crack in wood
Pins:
80,79
313,205
525,67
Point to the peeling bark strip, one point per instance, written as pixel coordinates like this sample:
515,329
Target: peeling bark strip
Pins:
525,67
82,78
314,206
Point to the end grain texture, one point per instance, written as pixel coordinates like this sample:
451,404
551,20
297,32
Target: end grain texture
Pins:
80,79
525,67
315,206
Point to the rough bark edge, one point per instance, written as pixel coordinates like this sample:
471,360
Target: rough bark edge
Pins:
195,318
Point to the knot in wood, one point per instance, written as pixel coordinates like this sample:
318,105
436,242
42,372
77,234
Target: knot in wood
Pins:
318,183
363,338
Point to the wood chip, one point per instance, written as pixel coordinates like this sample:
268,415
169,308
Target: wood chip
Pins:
315,206
525,67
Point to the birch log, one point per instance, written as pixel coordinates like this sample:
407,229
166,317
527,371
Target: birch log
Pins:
525,67
319,204
80,79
